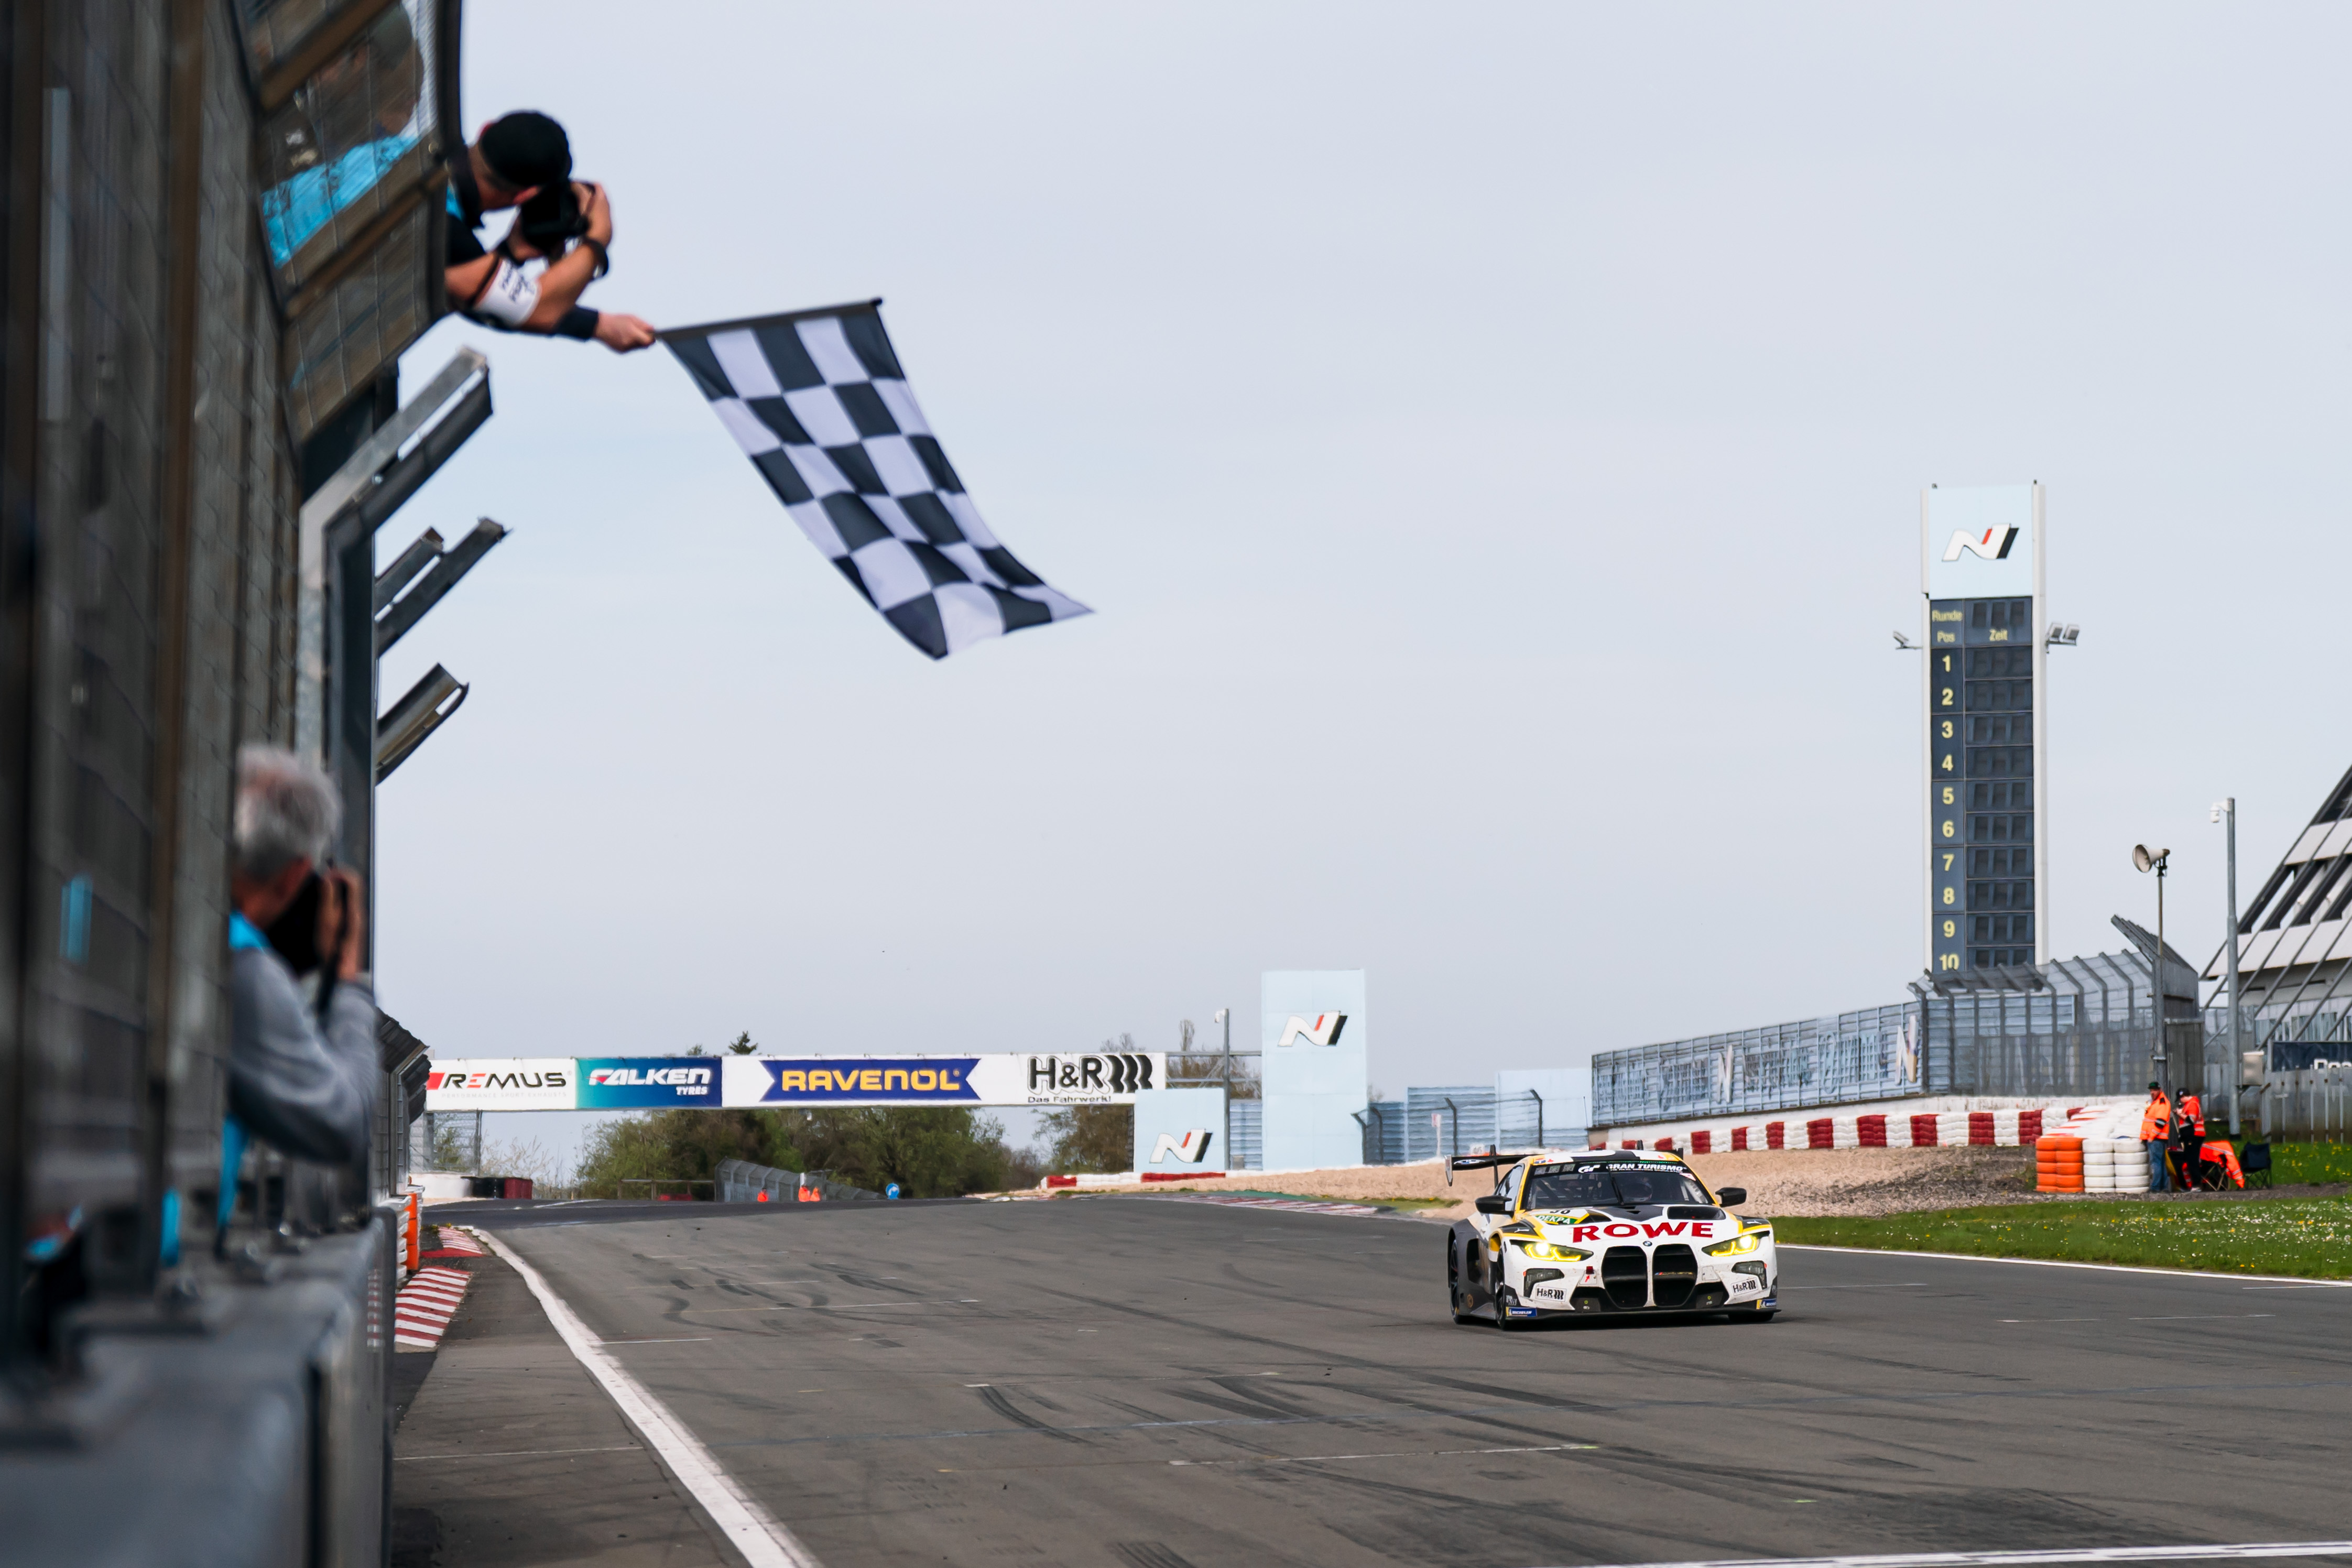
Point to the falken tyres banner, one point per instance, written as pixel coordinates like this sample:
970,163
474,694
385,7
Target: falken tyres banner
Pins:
648,1083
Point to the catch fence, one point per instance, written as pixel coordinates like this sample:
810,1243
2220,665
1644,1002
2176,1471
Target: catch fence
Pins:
2314,1105
2079,1026
1246,1134
1455,1120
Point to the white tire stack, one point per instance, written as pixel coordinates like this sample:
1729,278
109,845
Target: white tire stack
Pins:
2114,1165
2098,1164
2131,1165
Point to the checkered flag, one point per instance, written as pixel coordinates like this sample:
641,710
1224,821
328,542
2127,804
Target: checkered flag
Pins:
817,400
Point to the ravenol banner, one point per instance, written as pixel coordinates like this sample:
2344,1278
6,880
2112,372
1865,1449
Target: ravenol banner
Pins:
640,1083
852,1080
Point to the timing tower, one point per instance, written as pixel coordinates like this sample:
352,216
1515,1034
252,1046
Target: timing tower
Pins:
1980,590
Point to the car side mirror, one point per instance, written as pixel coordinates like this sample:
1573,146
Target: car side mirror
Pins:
1731,1197
1494,1202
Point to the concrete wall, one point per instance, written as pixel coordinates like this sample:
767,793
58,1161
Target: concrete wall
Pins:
1313,1091
1193,1118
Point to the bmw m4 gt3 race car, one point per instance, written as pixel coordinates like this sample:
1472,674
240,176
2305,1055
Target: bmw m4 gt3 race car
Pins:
1604,1231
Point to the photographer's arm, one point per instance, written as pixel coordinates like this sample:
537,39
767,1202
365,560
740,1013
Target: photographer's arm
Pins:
565,280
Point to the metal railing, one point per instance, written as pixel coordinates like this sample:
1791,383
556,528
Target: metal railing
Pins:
742,1182
2077,1027
654,1188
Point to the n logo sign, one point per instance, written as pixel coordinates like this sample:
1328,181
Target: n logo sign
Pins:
1192,1148
1992,545
1323,1029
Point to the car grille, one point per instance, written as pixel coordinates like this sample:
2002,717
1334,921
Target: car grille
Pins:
1625,1275
1674,1274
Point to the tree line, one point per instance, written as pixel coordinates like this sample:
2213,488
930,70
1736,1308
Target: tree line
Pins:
929,1150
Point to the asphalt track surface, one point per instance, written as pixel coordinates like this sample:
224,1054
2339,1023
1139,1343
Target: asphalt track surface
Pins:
1156,1383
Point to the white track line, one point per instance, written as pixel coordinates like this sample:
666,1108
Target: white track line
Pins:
520,1454
1334,1458
761,1537
2008,1559
2041,1263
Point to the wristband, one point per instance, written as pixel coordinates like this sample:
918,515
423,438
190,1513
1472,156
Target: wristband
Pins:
579,321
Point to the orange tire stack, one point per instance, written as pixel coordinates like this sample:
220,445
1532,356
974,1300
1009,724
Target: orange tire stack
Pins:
2058,1163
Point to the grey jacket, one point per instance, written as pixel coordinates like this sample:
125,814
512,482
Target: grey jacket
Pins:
309,1095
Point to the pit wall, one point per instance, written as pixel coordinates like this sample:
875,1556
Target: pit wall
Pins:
1918,1122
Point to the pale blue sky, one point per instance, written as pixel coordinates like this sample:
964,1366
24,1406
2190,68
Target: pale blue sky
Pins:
1492,442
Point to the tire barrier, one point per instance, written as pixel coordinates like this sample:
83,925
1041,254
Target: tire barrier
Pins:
2007,1129
2113,1164
2058,1163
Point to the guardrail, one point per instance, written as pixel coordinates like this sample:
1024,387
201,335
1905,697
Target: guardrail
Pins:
741,1181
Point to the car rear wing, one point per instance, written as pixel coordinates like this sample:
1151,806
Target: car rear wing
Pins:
1497,1162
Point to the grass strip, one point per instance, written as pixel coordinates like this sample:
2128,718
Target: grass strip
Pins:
2311,1237
2310,1162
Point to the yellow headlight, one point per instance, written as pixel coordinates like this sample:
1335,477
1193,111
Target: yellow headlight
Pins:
1746,1241
1551,1251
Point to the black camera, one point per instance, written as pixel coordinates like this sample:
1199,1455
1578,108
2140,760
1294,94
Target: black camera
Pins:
294,932
552,220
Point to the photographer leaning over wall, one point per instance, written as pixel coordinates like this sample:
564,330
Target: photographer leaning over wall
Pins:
523,160
300,1080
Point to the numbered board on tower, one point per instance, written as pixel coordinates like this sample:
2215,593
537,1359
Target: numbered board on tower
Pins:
1984,719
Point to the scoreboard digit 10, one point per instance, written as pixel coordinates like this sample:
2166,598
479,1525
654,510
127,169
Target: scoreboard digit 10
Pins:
1981,583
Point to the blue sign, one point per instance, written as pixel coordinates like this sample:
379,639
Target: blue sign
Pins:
636,1083
907,1080
891,1191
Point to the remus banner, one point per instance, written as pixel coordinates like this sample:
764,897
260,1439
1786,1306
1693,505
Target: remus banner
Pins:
637,1083
503,1083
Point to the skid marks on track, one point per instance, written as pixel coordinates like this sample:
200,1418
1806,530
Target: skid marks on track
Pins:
997,1400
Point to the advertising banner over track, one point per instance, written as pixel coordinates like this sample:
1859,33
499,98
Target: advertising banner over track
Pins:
503,1083
648,1083
638,1083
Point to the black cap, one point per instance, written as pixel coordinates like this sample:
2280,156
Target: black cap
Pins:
526,149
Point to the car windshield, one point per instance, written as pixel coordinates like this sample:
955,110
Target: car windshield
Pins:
1611,1186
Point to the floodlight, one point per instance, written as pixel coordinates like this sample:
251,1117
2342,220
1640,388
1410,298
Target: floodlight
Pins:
2073,634
1906,644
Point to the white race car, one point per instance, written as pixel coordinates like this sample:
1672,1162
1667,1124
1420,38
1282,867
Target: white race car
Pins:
1601,1231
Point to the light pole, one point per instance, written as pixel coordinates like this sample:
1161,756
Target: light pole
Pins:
1225,1016
2227,811
2158,862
